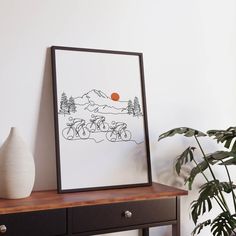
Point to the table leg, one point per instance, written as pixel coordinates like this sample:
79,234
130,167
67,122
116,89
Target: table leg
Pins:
145,232
176,227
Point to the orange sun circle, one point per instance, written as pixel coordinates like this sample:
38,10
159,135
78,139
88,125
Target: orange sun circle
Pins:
115,96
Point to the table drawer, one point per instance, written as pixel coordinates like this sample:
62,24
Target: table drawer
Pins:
46,223
101,217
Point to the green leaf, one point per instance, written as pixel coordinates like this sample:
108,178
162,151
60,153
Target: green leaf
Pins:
203,203
226,186
225,136
220,155
223,224
213,187
201,167
231,161
228,142
188,132
208,191
212,159
199,207
200,226
233,149
186,156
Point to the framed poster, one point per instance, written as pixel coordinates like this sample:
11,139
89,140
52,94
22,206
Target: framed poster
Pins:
100,119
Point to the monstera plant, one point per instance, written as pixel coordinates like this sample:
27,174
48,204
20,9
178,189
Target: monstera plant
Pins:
213,191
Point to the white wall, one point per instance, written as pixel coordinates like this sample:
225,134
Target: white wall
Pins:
189,54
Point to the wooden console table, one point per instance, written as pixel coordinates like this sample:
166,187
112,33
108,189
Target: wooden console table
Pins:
47,213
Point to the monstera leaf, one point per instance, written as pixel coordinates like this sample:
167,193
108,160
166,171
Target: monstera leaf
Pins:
223,224
231,161
229,156
225,136
188,132
185,157
206,193
222,155
213,191
200,226
203,203
201,167
212,159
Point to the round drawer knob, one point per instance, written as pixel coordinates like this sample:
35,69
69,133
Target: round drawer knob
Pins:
3,229
128,214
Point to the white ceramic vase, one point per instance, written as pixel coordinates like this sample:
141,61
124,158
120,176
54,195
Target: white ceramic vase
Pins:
17,169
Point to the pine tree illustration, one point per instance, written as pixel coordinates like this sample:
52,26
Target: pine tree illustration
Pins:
137,107
71,105
130,107
63,104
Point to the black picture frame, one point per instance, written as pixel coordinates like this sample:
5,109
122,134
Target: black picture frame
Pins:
94,121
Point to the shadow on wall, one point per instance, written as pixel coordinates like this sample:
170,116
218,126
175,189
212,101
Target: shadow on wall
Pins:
163,164
164,160
44,151
168,176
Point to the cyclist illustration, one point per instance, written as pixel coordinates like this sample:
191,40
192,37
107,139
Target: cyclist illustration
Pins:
118,132
97,123
75,128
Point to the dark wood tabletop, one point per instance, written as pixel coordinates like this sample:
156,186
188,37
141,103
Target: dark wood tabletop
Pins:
46,200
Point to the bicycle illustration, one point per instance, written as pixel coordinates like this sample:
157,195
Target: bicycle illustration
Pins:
97,123
118,132
75,128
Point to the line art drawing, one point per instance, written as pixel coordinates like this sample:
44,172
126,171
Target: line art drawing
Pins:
100,106
118,131
97,123
96,101
75,128
78,129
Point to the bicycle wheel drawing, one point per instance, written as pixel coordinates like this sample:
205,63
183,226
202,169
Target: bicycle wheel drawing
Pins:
125,135
111,136
68,133
104,126
91,127
84,133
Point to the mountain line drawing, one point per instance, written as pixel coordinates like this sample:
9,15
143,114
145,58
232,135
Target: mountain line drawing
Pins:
97,101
